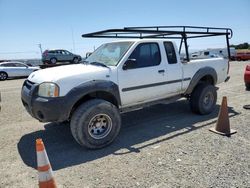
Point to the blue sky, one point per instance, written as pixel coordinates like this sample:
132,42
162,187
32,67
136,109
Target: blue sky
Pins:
56,24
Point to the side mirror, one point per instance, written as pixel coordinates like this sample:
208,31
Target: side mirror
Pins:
129,64
88,54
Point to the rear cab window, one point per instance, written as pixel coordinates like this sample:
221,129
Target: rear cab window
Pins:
170,52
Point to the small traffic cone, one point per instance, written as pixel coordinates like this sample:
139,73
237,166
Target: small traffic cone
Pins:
223,125
45,173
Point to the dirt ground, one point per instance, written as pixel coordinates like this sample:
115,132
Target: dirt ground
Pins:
161,146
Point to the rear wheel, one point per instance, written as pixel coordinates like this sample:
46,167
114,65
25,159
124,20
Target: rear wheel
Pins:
53,60
203,99
95,123
3,75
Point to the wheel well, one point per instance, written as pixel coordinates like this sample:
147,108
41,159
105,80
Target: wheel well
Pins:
207,79
95,95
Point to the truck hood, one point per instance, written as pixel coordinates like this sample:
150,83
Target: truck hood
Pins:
69,76
57,74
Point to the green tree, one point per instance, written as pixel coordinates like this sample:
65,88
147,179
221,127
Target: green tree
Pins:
244,45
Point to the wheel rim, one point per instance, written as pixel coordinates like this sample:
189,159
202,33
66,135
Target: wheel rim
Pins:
53,61
3,76
100,126
75,60
208,100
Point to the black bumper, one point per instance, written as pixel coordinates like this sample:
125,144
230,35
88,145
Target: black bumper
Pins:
42,108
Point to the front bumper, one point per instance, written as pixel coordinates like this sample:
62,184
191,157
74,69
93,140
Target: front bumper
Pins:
42,108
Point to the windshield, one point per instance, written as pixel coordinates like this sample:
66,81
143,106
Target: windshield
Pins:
109,54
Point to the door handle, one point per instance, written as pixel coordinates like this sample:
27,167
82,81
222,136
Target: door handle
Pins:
161,71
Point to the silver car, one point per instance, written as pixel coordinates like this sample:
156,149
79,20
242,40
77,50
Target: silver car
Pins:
15,69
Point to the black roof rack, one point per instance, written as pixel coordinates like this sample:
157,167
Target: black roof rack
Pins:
161,32
165,32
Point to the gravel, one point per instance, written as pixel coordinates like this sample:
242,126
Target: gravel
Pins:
159,146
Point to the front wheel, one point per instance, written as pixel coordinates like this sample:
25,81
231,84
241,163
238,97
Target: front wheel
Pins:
203,99
75,60
95,123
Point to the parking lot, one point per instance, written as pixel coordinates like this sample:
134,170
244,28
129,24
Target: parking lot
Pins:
160,146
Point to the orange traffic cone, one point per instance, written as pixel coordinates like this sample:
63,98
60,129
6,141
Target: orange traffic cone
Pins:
45,173
223,125
0,101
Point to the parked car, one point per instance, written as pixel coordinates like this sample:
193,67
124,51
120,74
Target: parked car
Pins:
54,56
122,76
243,55
15,69
247,77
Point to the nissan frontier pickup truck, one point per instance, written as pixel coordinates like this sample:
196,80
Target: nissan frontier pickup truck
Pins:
122,76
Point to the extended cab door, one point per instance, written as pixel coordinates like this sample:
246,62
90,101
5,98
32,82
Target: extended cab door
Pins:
174,70
142,77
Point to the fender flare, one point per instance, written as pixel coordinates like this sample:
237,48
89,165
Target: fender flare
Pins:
78,92
206,71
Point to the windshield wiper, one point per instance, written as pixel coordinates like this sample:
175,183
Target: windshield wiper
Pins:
98,64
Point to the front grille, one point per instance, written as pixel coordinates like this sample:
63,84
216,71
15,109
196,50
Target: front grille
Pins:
28,84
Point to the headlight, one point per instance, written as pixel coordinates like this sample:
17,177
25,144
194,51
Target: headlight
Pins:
48,89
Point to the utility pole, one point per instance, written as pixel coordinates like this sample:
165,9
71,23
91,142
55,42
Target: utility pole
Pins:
73,40
41,50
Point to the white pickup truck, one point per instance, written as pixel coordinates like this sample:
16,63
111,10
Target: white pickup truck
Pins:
118,77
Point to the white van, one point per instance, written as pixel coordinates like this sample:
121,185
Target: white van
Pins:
213,52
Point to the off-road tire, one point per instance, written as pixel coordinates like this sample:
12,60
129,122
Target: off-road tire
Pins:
82,119
203,99
3,76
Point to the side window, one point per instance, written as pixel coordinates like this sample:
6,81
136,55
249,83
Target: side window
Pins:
146,55
9,65
64,52
206,53
170,51
19,65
